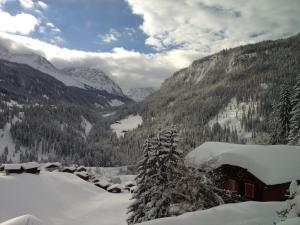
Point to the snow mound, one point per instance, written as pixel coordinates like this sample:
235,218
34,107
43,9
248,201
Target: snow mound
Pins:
292,221
60,199
246,213
129,123
23,220
266,162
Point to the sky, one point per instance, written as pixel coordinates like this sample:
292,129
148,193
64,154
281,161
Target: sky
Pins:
140,43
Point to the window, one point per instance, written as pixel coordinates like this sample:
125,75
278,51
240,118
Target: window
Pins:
231,185
249,190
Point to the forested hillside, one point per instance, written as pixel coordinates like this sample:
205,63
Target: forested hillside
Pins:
227,96
43,119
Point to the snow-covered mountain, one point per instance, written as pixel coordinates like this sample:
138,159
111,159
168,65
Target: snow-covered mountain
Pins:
139,94
83,78
93,77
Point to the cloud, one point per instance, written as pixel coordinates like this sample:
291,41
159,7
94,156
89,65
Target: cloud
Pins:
112,36
178,31
42,5
52,27
127,68
27,4
210,25
21,23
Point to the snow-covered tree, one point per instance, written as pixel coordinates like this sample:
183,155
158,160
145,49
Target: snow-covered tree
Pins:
294,134
291,207
166,187
170,169
141,195
281,117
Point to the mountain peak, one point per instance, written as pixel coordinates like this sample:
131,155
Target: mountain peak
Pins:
140,93
93,77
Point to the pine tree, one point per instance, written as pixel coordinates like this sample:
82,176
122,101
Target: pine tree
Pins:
281,117
137,208
294,134
170,169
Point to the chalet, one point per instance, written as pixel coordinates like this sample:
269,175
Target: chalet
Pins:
83,175
31,167
81,169
103,184
2,168
257,172
13,169
52,166
69,169
115,188
128,185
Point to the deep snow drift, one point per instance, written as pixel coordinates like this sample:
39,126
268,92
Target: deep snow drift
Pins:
60,199
246,213
23,220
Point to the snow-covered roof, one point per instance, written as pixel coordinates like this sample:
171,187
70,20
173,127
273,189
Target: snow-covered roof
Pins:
50,164
272,164
30,165
114,186
12,166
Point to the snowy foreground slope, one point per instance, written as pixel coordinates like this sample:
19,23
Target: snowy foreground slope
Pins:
60,199
23,220
246,213
64,199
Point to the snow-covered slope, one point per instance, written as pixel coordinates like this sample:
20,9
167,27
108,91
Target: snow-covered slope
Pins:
231,116
60,199
23,220
139,94
272,164
93,77
40,63
76,77
247,213
124,125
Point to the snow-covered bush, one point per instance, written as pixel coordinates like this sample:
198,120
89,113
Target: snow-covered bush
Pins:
291,207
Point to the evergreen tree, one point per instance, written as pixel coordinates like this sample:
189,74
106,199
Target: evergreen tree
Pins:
170,170
141,195
282,116
294,134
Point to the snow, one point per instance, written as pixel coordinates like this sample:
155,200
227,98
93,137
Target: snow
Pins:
93,77
60,199
40,63
114,186
115,103
58,164
30,165
232,115
292,221
86,125
12,103
76,77
266,162
6,140
139,94
246,213
108,114
127,124
23,220
13,166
